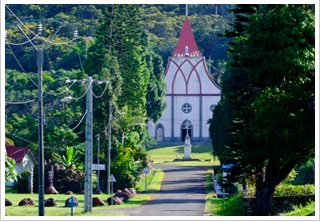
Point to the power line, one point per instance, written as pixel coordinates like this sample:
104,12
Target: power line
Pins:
84,93
16,58
19,44
98,97
56,43
49,60
20,103
27,37
57,94
80,121
31,142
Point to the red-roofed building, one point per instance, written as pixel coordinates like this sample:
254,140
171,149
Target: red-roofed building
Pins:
191,94
24,159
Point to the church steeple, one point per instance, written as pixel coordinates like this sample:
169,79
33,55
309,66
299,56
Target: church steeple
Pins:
186,39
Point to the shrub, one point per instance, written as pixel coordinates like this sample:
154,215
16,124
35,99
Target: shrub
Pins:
294,190
21,186
65,179
305,174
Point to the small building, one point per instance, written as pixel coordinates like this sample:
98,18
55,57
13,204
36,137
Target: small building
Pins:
24,159
191,94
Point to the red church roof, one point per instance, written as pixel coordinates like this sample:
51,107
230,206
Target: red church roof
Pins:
17,153
186,39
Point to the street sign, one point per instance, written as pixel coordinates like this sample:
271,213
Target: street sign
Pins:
98,167
112,179
145,171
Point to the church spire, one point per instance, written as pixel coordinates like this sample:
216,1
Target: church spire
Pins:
186,39
186,10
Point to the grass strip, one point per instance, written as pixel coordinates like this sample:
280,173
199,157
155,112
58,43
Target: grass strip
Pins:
60,210
214,206
154,180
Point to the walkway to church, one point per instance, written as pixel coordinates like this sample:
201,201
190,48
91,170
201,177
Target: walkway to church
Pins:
182,193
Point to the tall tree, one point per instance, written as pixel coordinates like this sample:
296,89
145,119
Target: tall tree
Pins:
270,85
156,89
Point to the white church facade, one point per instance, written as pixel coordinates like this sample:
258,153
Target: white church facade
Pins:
191,94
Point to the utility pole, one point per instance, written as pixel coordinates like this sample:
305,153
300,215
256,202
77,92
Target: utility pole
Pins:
109,147
98,138
40,132
40,98
89,143
88,152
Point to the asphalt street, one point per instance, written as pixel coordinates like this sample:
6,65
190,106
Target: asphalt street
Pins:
182,193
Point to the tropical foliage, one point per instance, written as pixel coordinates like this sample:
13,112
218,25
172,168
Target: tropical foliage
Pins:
266,116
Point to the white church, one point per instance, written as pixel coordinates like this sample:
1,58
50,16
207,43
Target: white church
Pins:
191,94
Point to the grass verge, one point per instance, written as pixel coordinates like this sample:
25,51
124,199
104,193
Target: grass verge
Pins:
154,180
60,210
308,210
214,206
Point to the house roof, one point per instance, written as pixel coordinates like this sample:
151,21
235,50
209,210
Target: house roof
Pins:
186,39
17,153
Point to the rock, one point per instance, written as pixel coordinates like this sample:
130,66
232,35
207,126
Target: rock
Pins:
128,193
98,192
75,202
124,197
51,190
97,202
50,202
26,201
116,201
68,193
8,202
133,191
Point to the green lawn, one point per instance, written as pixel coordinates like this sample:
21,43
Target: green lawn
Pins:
166,154
60,210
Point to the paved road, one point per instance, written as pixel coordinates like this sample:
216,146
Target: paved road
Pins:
182,193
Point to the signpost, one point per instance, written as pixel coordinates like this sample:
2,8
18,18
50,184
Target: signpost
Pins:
98,167
112,179
225,172
145,172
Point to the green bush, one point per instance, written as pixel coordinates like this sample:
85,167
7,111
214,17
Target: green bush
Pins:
21,186
65,178
308,210
305,174
294,190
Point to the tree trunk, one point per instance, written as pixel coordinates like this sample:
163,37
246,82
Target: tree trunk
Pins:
264,201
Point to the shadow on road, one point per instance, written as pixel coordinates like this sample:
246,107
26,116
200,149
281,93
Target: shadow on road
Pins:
175,201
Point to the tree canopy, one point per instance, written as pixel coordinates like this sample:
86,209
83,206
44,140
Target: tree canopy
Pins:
268,96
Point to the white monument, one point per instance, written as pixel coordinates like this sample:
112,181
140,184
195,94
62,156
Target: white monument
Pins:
187,144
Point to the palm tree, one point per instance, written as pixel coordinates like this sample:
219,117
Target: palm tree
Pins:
131,119
219,70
